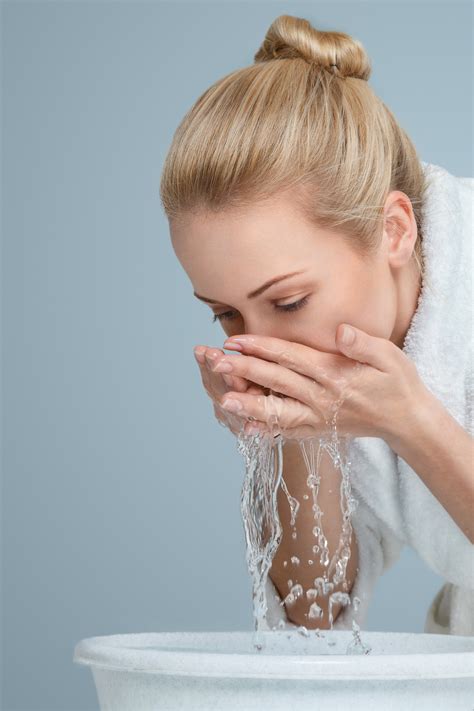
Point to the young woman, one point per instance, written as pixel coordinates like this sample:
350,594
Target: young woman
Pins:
298,206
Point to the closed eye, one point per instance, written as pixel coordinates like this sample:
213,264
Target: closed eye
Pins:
226,316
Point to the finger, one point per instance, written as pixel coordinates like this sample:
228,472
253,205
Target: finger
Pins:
380,353
302,359
238,425
212,357
286,412
234,423
235,382
257,390
275,377
209,381
331,371
231,422
255,427
214,383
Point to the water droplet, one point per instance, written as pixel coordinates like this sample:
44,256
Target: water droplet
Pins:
302,630
297,590
315,611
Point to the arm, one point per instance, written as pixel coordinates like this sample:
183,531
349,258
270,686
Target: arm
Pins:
295,475
441,452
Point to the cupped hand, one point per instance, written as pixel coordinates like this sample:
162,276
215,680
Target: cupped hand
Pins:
217,385
372,388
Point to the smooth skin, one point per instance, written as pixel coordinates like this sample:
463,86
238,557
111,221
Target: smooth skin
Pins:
299,354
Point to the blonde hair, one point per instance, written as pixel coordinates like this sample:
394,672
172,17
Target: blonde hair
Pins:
303,119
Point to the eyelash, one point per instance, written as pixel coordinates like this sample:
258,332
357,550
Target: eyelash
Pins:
287,307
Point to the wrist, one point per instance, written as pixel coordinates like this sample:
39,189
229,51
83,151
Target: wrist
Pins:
421,410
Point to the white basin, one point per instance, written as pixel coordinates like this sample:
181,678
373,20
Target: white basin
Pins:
222,671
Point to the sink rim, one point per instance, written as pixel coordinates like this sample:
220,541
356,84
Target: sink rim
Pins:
130,653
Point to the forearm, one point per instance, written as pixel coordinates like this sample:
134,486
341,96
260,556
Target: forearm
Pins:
295,475
441,452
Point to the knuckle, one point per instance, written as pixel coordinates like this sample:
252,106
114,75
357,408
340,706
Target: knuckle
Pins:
218,414
278,384
286,359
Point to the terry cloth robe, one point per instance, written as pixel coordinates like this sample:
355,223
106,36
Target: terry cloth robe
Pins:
395,508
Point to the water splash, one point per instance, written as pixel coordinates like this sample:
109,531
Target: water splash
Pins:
356,646
264,464
263,455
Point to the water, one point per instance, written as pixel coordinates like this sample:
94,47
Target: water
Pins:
263,457
263,531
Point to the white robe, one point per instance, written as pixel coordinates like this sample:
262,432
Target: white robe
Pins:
395,507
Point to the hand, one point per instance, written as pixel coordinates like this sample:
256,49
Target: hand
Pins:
373,386
218,385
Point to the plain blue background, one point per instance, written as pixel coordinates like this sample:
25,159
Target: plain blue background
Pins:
121,493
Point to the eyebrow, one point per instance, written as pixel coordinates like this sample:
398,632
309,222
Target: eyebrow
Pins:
255,293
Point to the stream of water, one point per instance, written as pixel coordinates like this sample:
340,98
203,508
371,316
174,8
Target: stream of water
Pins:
263,457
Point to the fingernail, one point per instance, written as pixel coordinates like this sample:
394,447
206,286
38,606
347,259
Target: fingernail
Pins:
232,405
232,346
348,335
242,339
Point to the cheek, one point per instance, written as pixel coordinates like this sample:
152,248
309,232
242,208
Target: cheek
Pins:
315,325
347,303
369,304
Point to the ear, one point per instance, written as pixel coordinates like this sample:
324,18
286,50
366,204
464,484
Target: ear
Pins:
400,230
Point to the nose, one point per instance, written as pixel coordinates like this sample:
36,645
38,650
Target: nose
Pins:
259,326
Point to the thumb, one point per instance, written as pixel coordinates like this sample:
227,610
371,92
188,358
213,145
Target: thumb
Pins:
346,337
360,346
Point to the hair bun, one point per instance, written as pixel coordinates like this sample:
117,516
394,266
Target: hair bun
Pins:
291,37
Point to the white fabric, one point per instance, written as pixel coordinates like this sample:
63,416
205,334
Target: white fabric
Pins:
395,507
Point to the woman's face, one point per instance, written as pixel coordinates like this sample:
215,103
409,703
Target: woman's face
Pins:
230,257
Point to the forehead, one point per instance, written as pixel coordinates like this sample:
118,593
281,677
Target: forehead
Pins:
256,243
228,252
274,226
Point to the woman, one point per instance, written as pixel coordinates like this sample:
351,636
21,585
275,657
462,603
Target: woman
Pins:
293,168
